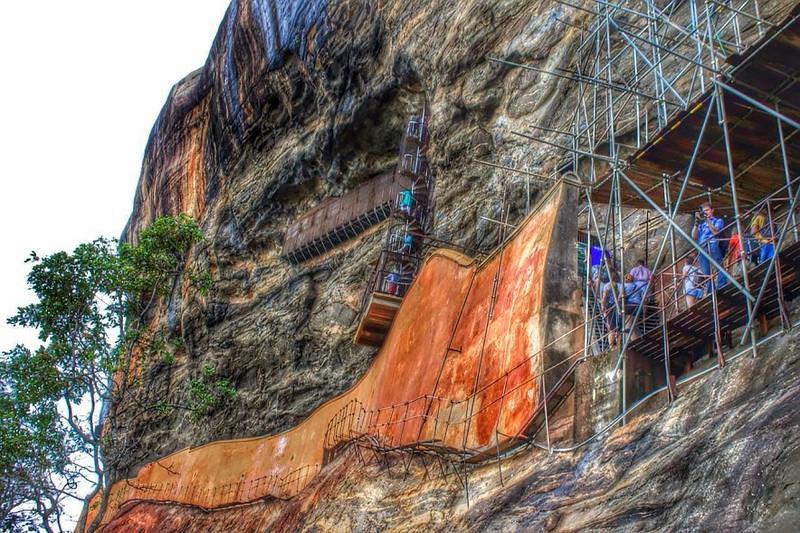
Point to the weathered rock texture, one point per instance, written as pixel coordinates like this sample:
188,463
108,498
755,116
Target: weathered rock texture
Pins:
469,380
723,457
303,100
290,109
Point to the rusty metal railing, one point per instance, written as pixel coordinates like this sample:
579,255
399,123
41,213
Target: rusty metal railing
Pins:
229,494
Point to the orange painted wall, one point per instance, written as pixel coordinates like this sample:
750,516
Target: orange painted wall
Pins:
418,388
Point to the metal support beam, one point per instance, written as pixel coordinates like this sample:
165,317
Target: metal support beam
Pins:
686,236
755,103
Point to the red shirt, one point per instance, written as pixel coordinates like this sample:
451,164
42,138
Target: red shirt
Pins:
734,248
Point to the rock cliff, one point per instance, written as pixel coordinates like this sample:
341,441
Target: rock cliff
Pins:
723,457
301,101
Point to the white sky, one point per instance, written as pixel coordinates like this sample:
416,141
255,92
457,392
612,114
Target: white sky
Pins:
82,84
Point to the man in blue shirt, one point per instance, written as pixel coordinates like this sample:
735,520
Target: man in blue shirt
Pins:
406,200
408,243
706,232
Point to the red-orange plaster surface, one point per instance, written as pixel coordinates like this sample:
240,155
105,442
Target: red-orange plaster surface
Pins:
420,387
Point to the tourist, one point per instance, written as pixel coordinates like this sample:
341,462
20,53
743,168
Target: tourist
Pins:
633,299
408,243
641,277
406,199
692,285
641,274
733,260
598,274
609,304
390,282
706,232
762,229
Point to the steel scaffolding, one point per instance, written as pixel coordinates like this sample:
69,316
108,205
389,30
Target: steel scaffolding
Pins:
679,105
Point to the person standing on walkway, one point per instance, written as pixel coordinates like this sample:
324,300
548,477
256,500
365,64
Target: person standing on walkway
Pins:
406,199
761,229
706,232
690,275
610,305
633,299
390,282
733,258
641,274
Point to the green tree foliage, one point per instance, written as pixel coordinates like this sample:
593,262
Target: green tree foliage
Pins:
59,402
206,392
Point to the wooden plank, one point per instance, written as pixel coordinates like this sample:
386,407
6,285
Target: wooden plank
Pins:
769,71
377,319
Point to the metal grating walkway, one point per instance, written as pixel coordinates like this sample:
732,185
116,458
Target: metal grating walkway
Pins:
693,328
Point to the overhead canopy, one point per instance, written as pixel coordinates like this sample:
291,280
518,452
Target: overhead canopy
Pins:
768,73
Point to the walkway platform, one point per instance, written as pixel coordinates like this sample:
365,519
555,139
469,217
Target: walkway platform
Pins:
339,219
340,234
694,327
377,319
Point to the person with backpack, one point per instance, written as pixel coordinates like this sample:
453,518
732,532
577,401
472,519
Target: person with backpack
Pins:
690,275
405,202
707,231
390,282
762,229
633,299
733,259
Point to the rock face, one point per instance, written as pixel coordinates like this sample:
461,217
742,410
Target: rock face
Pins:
723,457
300,101
469,380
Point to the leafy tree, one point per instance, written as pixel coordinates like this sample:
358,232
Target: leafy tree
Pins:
61,402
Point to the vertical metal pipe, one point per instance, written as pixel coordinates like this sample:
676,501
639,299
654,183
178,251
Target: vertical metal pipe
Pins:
720,96
670,233
658,86
715,318
665,341
622,312
527,194
617,200
637,103
647,238
588,287
737,36
758,18
711,38
785,322
787,175
698,43
544,406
